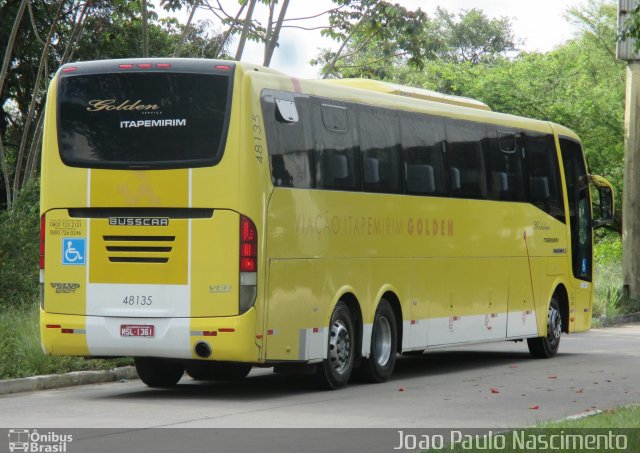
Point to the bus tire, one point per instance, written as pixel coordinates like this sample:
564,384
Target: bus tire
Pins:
378,367
547,347
157,372
335,371
218,371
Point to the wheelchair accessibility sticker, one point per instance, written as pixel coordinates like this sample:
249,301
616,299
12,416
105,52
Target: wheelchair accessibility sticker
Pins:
73,251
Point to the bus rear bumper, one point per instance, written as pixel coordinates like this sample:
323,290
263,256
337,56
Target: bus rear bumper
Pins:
229,338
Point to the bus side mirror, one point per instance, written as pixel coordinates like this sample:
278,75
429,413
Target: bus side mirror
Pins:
606,207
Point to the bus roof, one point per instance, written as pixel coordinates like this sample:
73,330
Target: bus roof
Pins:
412,92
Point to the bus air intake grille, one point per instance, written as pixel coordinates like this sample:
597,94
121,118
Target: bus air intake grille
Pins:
139,249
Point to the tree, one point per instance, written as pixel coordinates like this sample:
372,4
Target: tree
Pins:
395,33
471,36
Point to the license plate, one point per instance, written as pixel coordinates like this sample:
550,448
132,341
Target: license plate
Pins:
130,330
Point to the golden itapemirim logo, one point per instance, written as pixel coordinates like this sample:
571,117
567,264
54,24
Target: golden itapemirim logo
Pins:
97,105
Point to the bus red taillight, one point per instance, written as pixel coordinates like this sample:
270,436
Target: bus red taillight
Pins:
248,263
248,246
43,230
43,233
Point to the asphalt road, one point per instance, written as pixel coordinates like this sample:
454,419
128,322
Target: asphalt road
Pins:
485,386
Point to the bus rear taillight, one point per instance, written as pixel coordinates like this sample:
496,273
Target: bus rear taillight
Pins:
43,231
248,263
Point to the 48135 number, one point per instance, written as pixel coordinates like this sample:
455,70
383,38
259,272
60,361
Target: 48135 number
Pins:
137,300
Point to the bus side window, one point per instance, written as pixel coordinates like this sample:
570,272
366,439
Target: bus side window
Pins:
289,138
466,158
422,139
505,166
337,154
543,177
380,148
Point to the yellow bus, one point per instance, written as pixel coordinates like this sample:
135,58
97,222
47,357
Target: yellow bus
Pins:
210,216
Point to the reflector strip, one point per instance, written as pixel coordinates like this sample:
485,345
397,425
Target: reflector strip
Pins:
53,326
70,69
226,330
204,333
259,336
223,67
316,330
76,331
145,65
163,65
125,66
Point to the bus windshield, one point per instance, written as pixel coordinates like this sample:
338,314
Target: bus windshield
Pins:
143,119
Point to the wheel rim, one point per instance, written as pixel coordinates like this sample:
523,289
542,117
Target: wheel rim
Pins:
554,325
382,341
339,346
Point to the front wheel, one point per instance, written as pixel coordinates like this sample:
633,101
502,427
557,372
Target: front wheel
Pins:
334,372
378,367
547,347
157,372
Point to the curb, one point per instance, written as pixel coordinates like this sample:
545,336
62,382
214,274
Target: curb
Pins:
51,381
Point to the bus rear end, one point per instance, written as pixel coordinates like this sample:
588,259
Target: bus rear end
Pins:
144,251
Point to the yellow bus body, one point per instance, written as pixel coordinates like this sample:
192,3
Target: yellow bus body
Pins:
456,270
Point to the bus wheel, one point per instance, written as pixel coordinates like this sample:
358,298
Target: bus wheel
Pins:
547,347
157,372
334,372
218,371
384,344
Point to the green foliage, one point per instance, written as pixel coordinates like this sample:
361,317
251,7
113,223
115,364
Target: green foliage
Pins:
378,31
19,250
22,354
472,37
607,256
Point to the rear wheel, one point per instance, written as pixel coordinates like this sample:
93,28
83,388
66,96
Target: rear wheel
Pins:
378,367
334,372
547,347
157,372
218,371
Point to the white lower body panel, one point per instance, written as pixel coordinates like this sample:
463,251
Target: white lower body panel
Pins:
171,337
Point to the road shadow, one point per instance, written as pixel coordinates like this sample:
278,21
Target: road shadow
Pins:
263,385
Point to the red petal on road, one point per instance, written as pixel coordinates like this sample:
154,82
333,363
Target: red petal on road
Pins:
580,391
513,366
494,390
535,407
552,376
401,389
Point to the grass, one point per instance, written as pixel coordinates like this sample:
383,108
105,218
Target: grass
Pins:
623,417
21,354
617,421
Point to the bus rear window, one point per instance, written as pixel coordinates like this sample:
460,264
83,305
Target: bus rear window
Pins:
143,119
